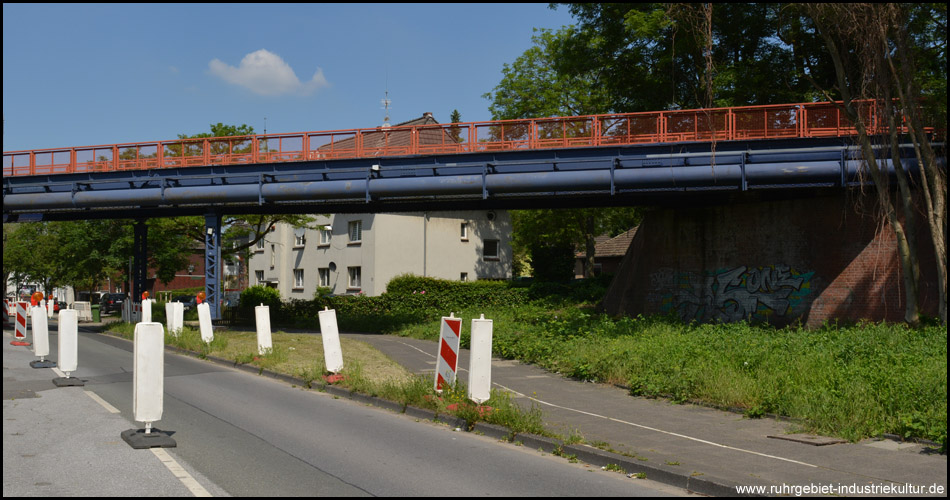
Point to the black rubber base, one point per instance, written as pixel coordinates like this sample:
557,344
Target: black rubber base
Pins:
68,382
43,364
138,439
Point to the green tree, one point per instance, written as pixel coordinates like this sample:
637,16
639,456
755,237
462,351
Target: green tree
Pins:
531,87
887,53
653,56
239,232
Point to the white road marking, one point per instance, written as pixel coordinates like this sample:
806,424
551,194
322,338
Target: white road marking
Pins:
659,430
186,479
95,397
637,425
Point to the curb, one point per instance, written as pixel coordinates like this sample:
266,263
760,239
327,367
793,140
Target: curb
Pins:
594,456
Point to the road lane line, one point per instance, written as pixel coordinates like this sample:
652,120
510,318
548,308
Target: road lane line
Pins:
186,479
95,397
639,425
660,430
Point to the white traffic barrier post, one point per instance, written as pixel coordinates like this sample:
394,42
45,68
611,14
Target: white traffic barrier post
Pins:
174,317
146,311
262,320
127,311
332,352
20,334
49,307
148,387
479,367
448,359
68,348
204,322
41,339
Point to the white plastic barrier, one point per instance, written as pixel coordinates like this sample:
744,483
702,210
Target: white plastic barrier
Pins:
127,311
49,308
204,322
174,317
262,318
40,333
84,310
149,372
147,311
68,341
447,361
479,367
332,352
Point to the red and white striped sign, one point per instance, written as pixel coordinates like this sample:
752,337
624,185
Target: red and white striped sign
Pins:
447,363
20,320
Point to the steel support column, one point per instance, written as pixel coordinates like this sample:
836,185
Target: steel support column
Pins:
213,291
139,259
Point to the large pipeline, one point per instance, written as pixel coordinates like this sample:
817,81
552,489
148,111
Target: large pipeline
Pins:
573,181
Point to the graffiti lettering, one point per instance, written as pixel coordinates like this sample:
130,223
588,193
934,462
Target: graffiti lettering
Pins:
733,294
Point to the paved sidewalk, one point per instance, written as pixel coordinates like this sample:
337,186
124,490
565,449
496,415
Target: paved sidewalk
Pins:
698,448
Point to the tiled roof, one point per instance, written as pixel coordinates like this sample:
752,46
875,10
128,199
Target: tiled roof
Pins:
606,246
391,137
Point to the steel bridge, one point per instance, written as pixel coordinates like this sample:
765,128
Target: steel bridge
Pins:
614,159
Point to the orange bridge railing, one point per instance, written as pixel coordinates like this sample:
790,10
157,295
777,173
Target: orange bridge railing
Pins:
719,124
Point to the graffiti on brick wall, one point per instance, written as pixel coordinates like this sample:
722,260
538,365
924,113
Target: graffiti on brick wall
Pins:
732,294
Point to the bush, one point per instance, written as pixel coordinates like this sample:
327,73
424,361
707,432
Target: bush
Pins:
260,294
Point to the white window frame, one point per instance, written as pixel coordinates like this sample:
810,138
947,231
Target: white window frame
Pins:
464,231
300,241
463,277
486,255
354,278
324,273
259,276
325,237
358,226
260,245
298,278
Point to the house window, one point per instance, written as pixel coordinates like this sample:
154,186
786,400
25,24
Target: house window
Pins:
355,277
259,276
260,245
463,277
490,252
356,231
273,255
300,240
298,278
324,276
464,231
324,237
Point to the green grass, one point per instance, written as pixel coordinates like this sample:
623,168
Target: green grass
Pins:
849,381
852,381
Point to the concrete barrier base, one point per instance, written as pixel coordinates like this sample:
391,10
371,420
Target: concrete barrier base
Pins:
68,382
138,439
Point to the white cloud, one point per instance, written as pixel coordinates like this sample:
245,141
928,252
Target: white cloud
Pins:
265,73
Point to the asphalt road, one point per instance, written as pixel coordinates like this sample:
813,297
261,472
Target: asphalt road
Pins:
246,435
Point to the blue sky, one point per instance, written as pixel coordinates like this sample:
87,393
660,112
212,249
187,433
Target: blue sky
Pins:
90,74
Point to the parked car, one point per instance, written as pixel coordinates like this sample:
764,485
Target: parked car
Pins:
111,302
190,301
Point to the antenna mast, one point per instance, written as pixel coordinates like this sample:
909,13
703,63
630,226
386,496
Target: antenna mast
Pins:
386,102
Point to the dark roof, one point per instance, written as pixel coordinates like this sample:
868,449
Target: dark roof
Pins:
392,137
606,246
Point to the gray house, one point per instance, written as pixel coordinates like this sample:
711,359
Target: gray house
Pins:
360,253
